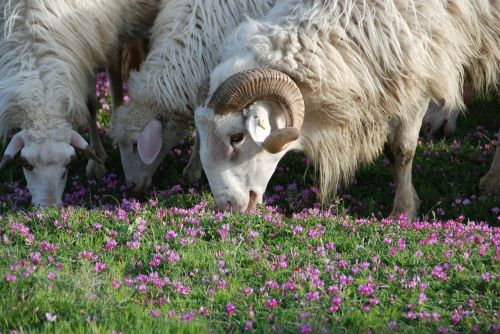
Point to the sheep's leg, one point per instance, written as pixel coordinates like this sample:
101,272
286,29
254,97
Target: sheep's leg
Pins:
491,181
114,69
402,148
94,169
192,171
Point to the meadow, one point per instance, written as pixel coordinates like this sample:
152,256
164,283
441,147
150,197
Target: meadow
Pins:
109,262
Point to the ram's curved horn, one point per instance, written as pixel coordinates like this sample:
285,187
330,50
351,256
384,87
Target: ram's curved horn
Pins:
263,84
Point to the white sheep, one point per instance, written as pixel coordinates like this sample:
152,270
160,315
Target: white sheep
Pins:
338,79
48,61
184,47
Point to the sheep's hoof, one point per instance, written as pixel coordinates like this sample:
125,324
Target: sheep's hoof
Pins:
399,213
490,183
407,208
95,170
191,174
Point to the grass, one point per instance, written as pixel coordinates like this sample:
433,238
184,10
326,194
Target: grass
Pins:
168,262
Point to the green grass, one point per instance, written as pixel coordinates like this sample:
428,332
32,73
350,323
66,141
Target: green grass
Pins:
85,301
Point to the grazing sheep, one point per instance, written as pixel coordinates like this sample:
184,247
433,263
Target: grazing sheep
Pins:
48,61
338,79
438,123
184,47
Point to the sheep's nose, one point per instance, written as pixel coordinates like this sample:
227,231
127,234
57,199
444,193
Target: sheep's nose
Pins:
130,185
441,131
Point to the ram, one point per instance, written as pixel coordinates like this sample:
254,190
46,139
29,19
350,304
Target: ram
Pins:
184,47
48,61
339,80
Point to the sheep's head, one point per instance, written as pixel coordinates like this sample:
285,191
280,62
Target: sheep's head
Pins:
245,128
45,164
143,145
439,123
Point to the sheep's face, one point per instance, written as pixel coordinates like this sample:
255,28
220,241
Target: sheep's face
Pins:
45,164
238,168
45,168
143,151
438,123
138,174
246,126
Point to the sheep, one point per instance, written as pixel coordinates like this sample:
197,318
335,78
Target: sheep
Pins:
184,47
48,60
338,80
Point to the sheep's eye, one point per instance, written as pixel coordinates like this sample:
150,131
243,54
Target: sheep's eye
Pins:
25,164
64,174
237,138
134,147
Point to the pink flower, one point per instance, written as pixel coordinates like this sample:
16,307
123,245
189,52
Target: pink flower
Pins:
170,235
422,298
249,325
334,308
51,275
305,329
483,249
297,229
401,244
410,315
99,266
188,316
485,277
455,318
439,273
10,277
155,313
230,309
109,245
336,300
312,295
366,289
116,284
271,303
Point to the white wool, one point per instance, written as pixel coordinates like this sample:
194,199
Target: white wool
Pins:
50,51
184,47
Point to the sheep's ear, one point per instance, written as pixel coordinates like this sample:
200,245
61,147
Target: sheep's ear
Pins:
78,141
83,148
150,141
257,123
16,144
268,128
